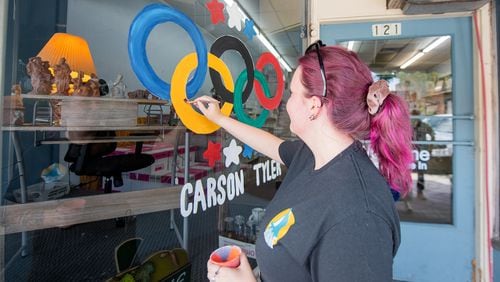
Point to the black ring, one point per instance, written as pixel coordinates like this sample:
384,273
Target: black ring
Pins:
221,45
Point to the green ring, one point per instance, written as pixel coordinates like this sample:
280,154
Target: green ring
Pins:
238,100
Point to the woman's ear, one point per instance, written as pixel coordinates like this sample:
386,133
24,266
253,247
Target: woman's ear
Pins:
315,102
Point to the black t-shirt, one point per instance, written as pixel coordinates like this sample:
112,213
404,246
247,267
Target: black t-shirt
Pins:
338,223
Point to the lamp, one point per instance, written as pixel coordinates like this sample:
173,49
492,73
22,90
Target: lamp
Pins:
74,49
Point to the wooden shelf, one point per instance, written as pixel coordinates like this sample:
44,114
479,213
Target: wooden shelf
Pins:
29,127
108,99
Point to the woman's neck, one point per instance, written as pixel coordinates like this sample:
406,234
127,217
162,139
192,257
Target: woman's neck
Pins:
326,142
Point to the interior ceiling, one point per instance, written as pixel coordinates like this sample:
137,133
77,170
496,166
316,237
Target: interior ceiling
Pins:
280,21
389,55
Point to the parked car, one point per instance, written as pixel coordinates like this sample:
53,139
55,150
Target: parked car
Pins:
442,126
441,154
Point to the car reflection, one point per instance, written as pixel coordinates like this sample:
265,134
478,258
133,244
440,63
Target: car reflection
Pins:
442,128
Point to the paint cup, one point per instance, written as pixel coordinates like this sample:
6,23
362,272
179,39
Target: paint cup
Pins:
228,256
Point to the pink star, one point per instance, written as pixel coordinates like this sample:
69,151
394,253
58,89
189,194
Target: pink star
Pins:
216,11
212,153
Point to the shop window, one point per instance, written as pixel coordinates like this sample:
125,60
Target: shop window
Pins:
66,141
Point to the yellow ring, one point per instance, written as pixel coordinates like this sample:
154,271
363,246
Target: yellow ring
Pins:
193,120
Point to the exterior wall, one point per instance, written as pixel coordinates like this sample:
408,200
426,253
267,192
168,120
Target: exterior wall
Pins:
487,133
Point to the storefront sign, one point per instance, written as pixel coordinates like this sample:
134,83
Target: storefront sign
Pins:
214,192
421,158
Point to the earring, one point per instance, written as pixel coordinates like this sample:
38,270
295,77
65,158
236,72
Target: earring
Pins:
312,117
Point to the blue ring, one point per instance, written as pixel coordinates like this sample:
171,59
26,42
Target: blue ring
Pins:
139,31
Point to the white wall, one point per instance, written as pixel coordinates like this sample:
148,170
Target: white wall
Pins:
335,10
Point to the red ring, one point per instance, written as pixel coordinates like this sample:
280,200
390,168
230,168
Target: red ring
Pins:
269,103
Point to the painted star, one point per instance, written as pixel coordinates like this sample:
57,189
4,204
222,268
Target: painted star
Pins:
212,153
216,11
235,17
248,30
232,153
247,151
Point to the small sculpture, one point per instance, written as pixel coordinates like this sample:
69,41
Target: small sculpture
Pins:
62,77
16,106
81,88
94,85
41,78
138,94
118,89
77,83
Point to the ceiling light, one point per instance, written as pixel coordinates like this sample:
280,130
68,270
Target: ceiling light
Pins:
261,37
435,44
412,60
427,49
350,45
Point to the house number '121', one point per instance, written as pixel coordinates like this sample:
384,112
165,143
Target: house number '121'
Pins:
390,29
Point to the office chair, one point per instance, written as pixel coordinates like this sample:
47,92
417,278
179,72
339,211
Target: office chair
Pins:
92,160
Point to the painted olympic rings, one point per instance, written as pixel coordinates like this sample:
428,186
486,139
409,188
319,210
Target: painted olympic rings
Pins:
238,102
198,123
180,88
273,103
221,45
139,31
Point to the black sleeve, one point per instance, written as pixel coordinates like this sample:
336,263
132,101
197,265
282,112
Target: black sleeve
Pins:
357,249
288,149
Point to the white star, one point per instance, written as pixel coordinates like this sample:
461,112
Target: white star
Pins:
235,17
232,153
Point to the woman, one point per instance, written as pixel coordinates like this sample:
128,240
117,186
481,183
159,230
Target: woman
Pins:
333,218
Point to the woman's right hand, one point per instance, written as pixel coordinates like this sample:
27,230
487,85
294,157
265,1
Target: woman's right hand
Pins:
242,273
208,107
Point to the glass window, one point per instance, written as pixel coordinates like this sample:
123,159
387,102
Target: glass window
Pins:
419,70
92,162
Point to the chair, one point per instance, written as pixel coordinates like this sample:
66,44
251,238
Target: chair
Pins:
92,160
126,253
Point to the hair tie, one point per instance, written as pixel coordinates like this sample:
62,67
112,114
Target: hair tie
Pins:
377,92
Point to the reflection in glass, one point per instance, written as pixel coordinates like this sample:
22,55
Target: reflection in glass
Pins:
419,70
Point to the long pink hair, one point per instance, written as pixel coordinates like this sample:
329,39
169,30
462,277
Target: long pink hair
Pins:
390,131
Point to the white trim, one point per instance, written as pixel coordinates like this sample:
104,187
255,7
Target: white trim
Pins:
482,241
4,10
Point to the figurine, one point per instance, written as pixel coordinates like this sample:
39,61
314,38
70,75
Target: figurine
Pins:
138,94
118,89
41,78
62,77
94,85
81,88
17,108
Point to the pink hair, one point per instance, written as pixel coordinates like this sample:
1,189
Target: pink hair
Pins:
348,80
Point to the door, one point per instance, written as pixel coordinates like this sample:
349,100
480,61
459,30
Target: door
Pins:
428,63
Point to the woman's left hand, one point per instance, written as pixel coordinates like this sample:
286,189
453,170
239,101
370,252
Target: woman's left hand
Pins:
242,273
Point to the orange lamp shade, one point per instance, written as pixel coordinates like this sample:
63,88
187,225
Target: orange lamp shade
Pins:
71,47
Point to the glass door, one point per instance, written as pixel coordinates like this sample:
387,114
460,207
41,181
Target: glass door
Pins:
429,64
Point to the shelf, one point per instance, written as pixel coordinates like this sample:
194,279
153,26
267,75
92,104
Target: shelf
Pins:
100,140
108,99
29,127
437,93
